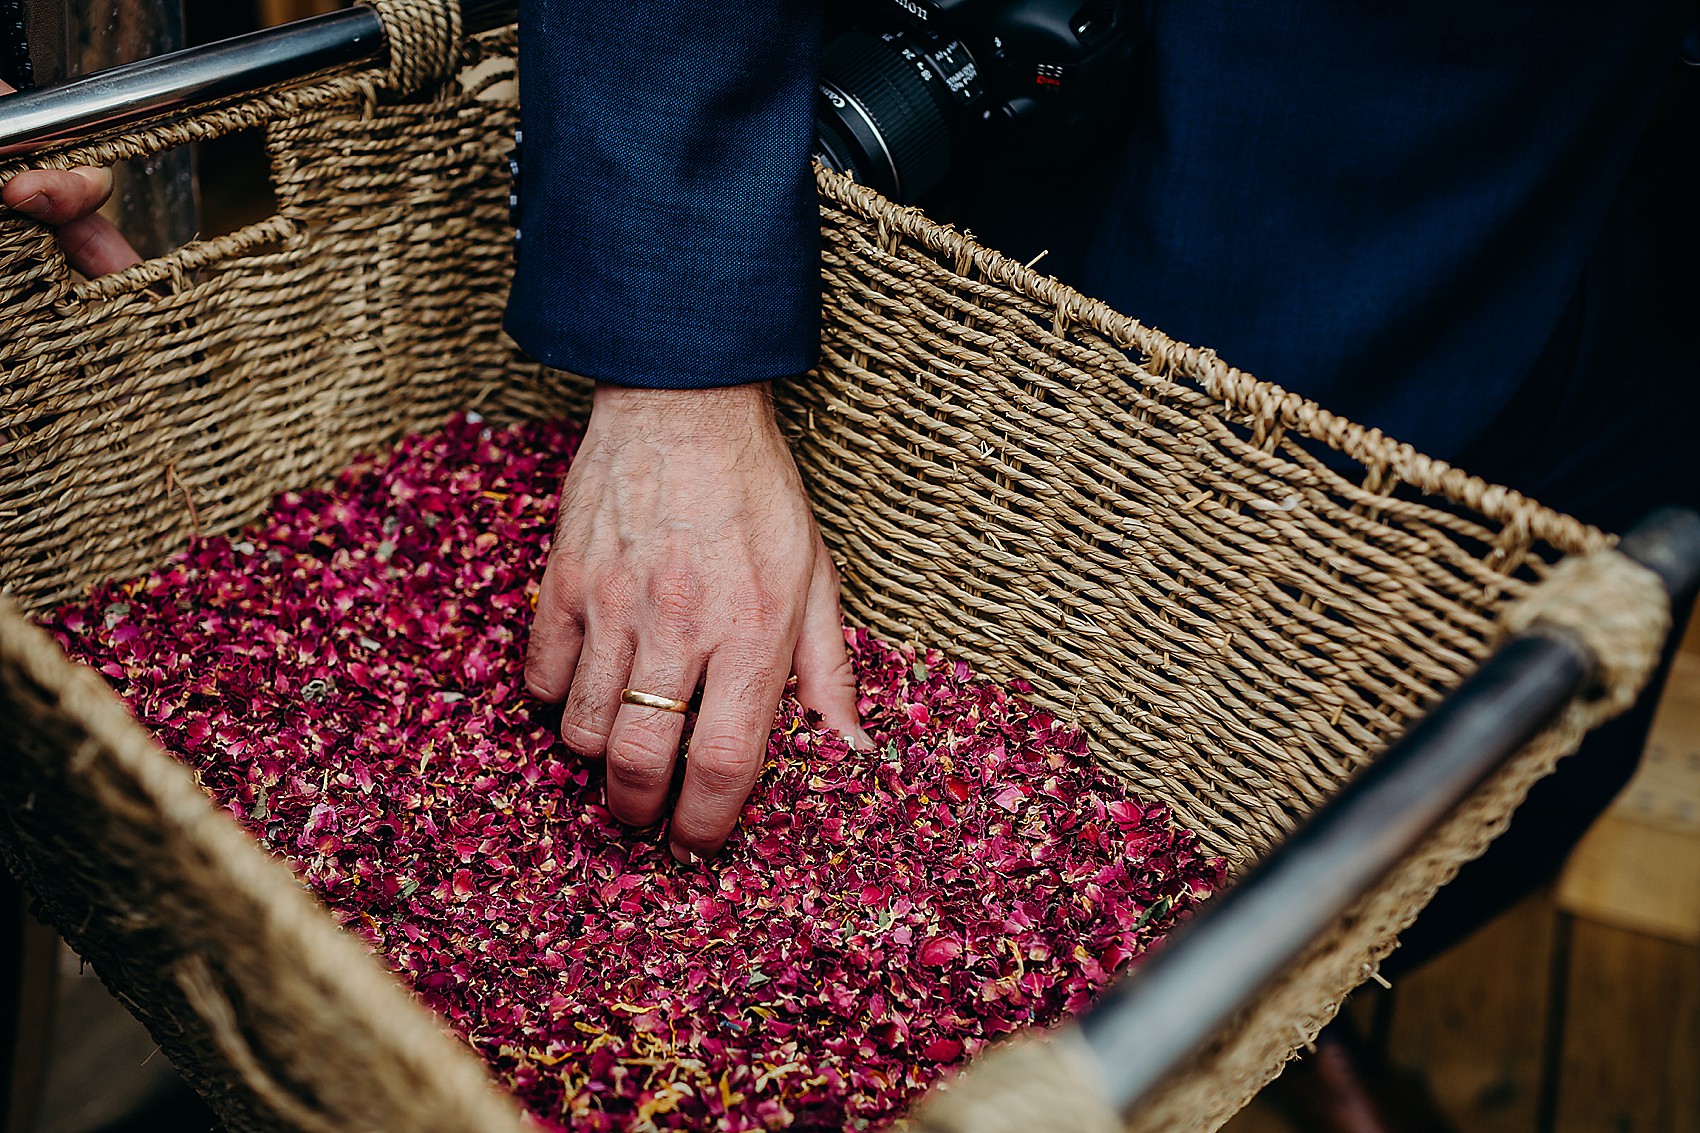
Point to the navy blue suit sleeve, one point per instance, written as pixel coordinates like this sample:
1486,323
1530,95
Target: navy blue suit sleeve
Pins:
668,215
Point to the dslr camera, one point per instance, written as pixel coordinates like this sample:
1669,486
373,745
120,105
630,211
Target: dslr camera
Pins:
913,93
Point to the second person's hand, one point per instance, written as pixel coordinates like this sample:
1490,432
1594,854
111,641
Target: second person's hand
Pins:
69,198
686,553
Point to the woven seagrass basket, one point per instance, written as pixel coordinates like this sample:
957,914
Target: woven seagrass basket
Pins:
1002,467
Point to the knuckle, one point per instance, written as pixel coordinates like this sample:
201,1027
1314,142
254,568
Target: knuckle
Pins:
611,591
725,769
750,682
676,596
582,736
552,624
560,595
760,611
639,761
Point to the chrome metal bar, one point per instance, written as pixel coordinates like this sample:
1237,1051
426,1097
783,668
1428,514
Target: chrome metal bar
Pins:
1195,984
183,80
155,201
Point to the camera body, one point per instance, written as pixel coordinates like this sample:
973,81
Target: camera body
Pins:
914,92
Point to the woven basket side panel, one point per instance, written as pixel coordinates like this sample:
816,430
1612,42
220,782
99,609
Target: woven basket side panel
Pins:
182,395
1238,623
281,1020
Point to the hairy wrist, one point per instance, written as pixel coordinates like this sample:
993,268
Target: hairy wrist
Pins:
730,410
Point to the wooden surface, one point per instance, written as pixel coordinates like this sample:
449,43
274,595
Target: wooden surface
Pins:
1639,867
1637,877
282,11
1545,1023
1630,1060
1474,1022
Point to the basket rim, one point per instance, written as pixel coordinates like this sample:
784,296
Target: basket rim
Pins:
1167,359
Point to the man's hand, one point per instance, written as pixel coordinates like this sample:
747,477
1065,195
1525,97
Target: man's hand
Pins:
70,199
686,554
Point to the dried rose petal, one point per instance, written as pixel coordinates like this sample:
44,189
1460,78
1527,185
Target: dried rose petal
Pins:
938,952
942,1050
347,679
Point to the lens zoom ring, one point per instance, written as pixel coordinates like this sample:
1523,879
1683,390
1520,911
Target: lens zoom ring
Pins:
900,104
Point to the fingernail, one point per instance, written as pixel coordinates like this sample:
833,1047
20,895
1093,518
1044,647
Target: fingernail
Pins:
684,856
34,205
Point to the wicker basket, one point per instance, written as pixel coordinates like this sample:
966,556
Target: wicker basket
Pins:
1166,547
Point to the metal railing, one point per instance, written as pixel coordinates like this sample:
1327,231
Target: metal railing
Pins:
196,76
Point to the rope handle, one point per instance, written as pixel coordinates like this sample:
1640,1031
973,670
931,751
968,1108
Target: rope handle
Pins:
424,39
1617,609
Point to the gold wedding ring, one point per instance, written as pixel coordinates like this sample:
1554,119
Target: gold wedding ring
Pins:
650,700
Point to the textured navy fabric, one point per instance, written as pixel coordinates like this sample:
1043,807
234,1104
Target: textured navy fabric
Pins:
1604,428
1387,206
668,216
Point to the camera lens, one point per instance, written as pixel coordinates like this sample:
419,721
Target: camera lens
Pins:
882,117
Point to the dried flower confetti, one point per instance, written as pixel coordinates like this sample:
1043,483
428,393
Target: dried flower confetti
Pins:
345,678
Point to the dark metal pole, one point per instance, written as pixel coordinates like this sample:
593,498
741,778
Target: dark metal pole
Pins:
1214,966
183,80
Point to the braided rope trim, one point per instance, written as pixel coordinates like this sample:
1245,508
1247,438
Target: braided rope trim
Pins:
1167,358
1037,1082
424,38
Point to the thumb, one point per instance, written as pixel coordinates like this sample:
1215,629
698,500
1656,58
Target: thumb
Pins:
825,680
58,196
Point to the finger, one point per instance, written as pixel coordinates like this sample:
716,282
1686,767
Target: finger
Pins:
740,692
644,742
95,247
58,196
557,632
825,680
603,665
